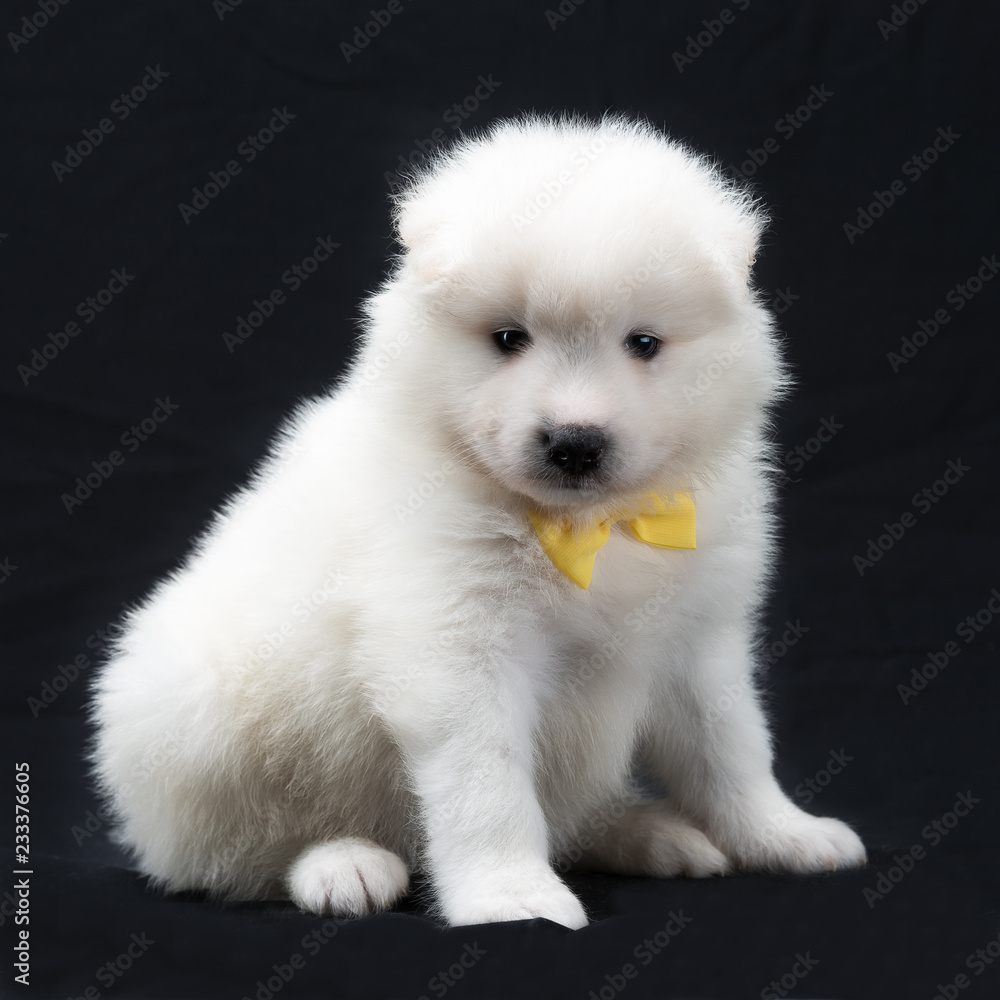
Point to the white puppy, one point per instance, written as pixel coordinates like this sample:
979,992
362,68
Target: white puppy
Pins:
516,555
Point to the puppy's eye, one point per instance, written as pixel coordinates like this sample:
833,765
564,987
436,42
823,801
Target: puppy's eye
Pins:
510,341
642,345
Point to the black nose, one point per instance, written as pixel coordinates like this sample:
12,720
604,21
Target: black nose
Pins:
575,450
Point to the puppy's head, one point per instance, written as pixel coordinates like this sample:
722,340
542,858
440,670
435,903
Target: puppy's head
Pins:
594,335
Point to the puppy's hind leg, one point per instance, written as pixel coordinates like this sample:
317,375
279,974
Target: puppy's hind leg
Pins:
713,752
348,876
653,839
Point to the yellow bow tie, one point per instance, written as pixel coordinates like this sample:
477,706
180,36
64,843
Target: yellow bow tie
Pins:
670,526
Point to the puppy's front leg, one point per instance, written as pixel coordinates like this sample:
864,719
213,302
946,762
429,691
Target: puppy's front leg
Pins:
713,749
466,737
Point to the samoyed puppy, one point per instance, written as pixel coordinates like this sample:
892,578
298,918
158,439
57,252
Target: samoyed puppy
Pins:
512,562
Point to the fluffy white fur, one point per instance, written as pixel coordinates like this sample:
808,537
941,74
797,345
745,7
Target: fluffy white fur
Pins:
369,663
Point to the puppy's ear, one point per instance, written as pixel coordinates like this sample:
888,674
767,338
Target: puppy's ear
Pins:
734,247
739,257
424,229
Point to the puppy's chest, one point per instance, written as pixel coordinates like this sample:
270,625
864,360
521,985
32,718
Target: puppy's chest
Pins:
628,572
622,621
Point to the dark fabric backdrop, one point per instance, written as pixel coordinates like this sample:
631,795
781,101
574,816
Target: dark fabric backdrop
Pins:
869,128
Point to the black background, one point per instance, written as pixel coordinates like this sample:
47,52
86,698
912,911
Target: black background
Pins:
67,574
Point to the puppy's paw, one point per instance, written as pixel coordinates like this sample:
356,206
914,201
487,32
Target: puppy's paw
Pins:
794,841
683,850
521,897
652,839
347,877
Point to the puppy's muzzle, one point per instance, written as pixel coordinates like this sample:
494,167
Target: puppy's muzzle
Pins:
574,451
